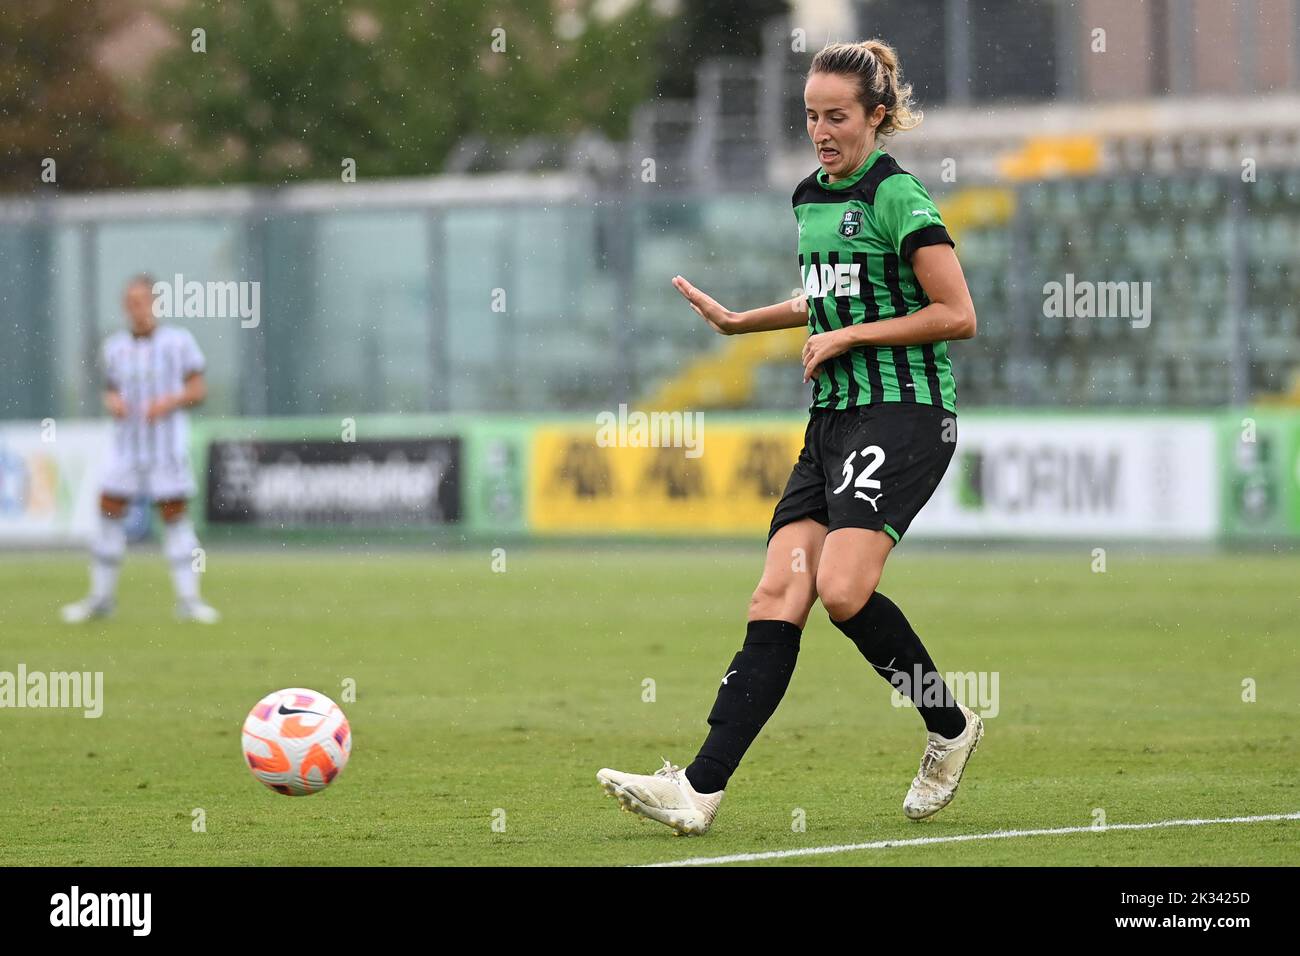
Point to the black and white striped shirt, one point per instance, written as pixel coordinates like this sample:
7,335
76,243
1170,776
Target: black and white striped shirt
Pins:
143,369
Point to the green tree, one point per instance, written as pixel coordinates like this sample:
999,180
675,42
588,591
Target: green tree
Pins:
287,89
54,101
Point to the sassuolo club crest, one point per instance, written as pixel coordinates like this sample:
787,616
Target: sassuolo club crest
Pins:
851,224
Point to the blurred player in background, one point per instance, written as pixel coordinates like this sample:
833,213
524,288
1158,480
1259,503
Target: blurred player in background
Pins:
152,374
883,294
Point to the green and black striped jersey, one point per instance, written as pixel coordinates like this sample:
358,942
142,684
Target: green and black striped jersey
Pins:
856,240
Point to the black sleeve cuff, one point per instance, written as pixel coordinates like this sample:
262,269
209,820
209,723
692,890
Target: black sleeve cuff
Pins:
928,236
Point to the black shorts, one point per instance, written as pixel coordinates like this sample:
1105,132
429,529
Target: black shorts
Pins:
874,466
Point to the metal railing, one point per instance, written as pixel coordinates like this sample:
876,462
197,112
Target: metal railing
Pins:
530,294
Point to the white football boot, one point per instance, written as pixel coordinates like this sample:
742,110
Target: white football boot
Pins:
665,795
197,611
86,609
941,768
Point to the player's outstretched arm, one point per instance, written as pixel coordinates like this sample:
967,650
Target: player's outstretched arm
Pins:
949,316
790,314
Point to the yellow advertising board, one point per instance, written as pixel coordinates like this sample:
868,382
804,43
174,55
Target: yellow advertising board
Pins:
727,486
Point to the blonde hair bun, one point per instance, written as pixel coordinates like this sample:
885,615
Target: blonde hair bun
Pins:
874,63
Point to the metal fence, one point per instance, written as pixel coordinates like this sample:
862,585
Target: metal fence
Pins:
527,294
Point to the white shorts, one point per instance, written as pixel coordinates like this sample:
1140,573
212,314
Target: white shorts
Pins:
158,482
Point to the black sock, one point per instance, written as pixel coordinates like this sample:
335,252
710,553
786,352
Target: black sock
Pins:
754,684
890,645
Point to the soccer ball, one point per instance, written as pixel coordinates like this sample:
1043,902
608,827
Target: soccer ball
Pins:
296,741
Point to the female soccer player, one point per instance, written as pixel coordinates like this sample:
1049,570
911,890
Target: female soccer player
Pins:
152,373
883,293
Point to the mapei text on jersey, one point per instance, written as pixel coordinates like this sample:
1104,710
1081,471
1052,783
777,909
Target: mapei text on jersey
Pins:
839,280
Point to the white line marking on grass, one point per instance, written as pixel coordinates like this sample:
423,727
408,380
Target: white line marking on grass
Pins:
966,838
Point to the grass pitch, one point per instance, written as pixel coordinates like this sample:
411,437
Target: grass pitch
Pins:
487,697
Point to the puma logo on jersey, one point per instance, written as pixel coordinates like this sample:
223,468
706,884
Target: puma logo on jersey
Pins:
729,673
871,501
923,212
838,280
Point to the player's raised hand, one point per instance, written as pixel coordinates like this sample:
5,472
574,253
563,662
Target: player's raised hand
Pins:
708,308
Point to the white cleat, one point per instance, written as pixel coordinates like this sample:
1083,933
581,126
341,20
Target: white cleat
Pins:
665,795
197,611
941,768
86,609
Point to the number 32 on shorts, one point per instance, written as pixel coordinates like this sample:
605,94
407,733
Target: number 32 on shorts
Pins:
873,456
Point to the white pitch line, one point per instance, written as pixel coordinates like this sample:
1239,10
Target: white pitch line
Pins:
965,838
